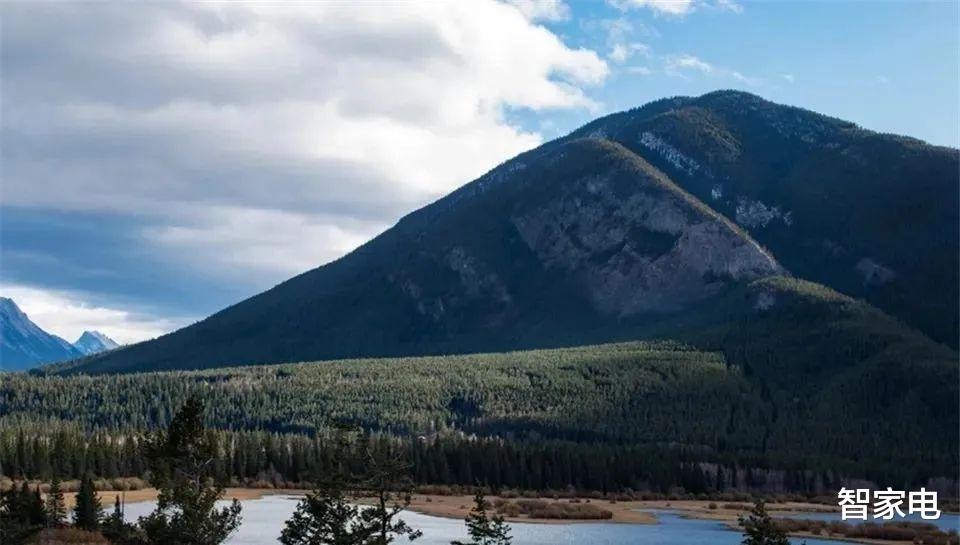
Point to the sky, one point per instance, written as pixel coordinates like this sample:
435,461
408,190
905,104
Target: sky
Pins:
162,160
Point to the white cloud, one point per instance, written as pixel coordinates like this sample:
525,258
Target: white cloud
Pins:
681,65
621,53
639,70
729,5
677,8
789,78
542,10
749,80
271,136
268,240
414,92
675,65
68,316
667,7
621,40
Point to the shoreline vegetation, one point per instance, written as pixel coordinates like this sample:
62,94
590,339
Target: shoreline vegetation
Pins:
531,510
371,471
651,415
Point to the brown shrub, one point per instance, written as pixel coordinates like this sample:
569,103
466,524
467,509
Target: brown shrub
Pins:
69,536
542,509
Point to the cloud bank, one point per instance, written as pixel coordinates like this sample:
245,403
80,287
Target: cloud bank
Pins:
238,143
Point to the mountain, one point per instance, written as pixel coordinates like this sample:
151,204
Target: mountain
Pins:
637,225
24,345
92,342
544,250
871,215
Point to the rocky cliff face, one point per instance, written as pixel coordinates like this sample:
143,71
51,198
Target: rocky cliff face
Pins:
649,248
588,214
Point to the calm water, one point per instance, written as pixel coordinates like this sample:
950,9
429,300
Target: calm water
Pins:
263,520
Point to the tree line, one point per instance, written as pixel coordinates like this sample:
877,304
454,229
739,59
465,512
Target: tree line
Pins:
180,467
43,451
659,415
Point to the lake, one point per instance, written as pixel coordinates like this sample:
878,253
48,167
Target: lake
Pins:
263,520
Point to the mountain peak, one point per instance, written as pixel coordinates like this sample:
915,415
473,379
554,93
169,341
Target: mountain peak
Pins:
732,95
23,344
91,342
8,306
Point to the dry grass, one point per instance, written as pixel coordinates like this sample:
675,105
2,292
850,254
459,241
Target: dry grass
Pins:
68,536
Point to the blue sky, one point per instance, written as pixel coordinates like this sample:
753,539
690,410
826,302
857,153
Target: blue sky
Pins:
162,161
890,66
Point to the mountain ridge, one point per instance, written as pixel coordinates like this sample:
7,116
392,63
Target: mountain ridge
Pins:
23,344
620,223
435,291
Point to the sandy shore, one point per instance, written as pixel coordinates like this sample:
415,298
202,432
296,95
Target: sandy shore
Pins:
108,497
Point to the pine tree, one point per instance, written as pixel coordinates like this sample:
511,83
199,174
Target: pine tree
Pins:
88,512
118,531
326,516
181,460
21,514
388,480
55,506
760,529
36,514
483,529
115,520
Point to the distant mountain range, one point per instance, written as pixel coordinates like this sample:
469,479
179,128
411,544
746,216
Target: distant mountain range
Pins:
23,345
685,219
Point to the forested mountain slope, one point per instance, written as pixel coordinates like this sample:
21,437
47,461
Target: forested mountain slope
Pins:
553,248
871,215
741,393
777,373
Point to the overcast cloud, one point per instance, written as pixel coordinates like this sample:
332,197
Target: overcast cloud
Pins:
155,152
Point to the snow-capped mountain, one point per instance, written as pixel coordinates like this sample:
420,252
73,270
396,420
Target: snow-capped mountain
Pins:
92,342
24,345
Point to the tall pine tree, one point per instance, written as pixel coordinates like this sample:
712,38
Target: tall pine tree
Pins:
760,529
484,529
55,505
88,512
21,514
326,516
182,467
388,480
